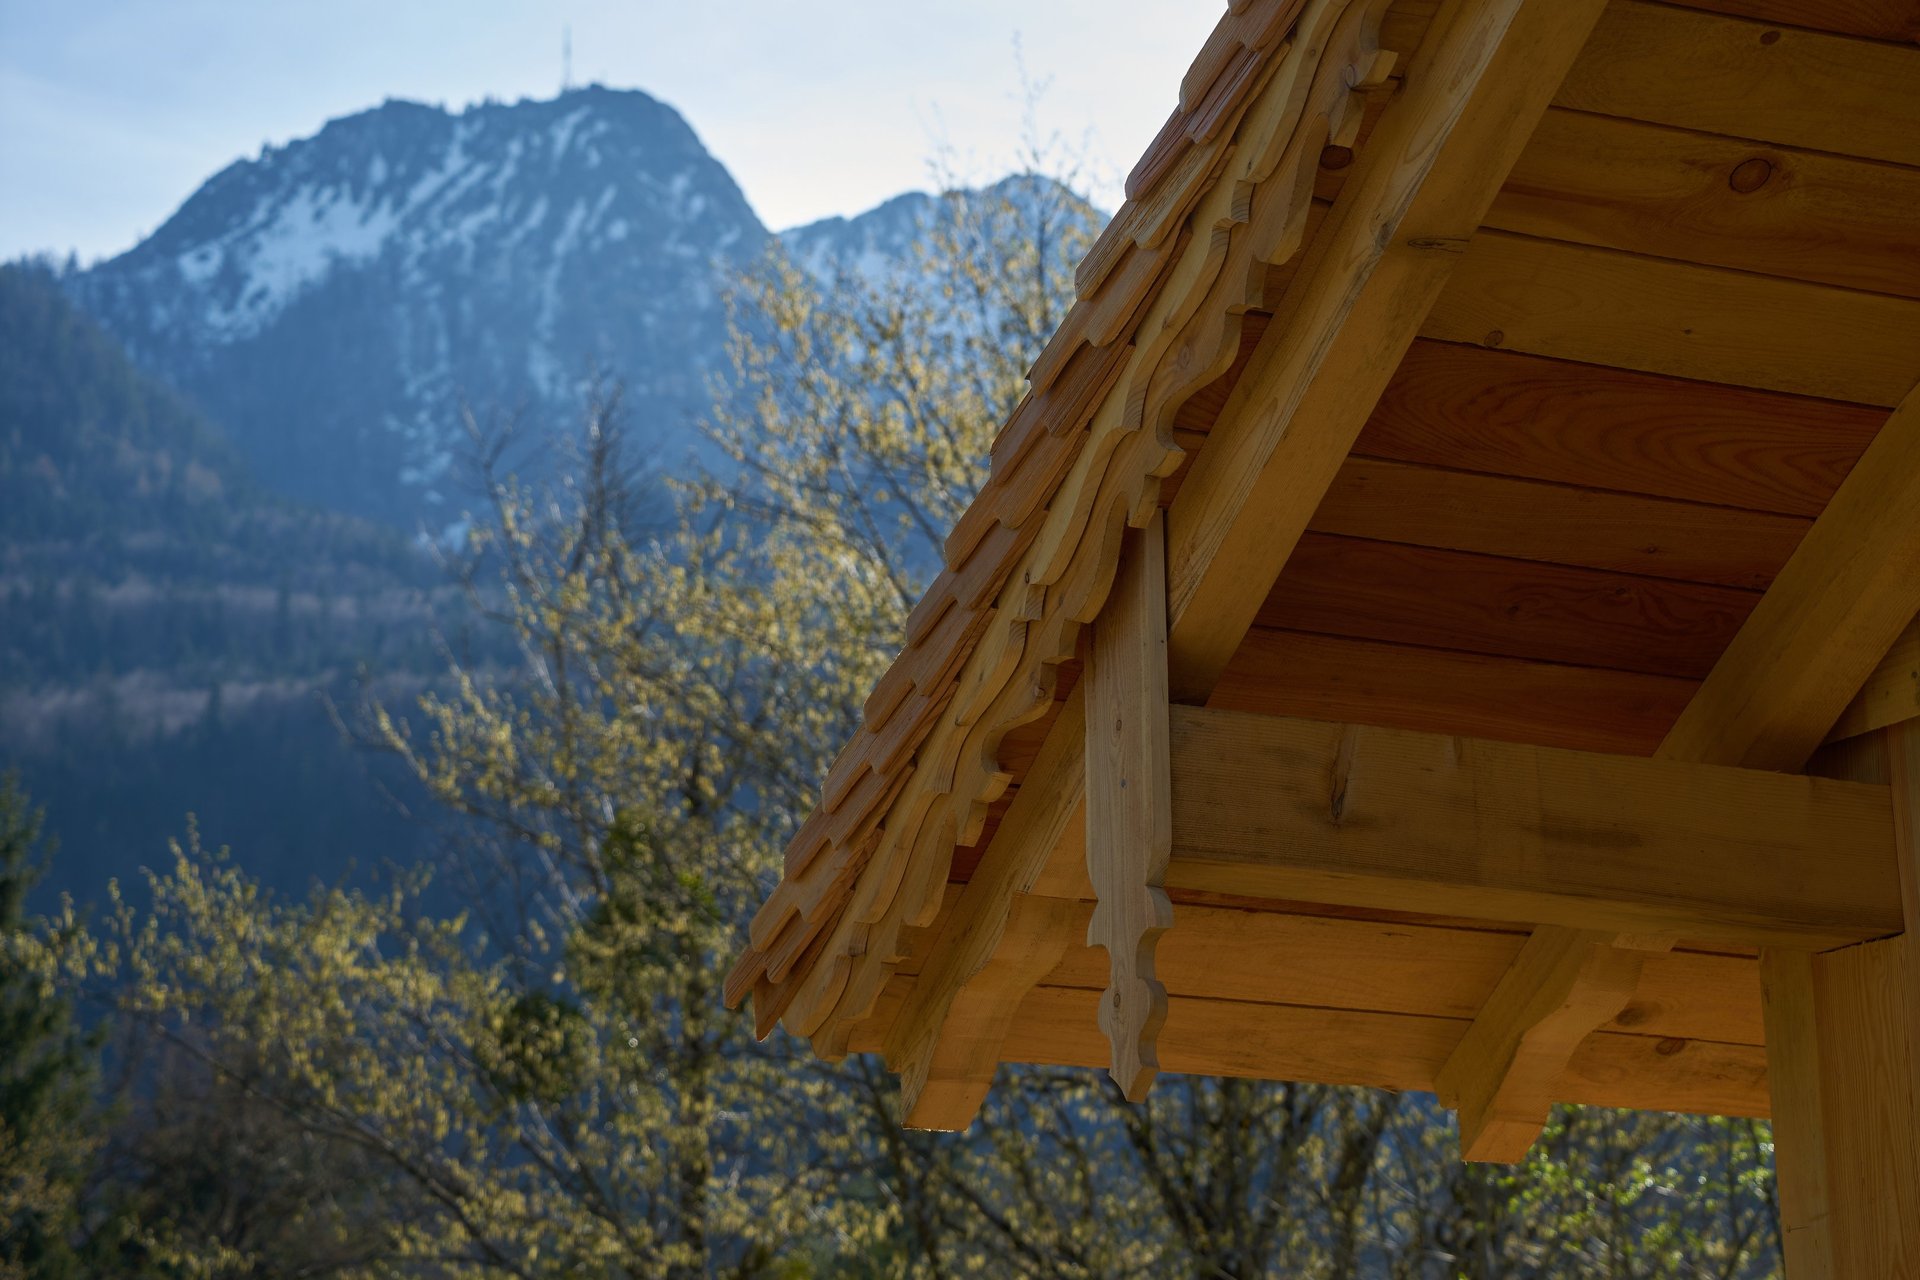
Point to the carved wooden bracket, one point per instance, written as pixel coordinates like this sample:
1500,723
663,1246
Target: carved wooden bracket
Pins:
1130,802
1500,1078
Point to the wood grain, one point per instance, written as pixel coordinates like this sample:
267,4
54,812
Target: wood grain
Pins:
1274,957
1391,1051
1512,414
1129,832
1606,307
1897,20
1838,606
1750,79
1290,673
1500,1079
1398,821
1417,191
1673,193
1556,523
1487,604
1891,693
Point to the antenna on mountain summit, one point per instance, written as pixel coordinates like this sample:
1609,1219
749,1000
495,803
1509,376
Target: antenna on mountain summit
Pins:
566,58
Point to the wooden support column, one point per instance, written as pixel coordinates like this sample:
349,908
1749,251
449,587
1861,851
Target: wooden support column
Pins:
1842,1042
1130,803
1843,1056
1501,1077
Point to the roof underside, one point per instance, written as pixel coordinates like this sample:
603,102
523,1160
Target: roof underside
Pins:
1685,315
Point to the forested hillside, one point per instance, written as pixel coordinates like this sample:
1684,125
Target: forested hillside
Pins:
168,626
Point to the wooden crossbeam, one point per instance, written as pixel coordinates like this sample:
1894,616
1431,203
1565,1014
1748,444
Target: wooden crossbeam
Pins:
1502,1076
1129,803
1482,78
1395,820
1055,1026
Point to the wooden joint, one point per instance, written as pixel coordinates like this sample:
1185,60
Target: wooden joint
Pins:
948,1070
1502,1076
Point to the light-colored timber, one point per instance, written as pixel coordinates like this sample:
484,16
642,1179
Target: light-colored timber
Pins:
1601,306
1843,1045
1525,397
1748,79
1418,191
1401,821
1891,693
1825,623
1501,1079
1129,820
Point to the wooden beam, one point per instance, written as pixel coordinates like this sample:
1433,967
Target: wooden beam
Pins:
1843,1047
1129,805
1055,1026
1290,953
1480,81
1891,693
987,952
1502,1076
943,1085
1391,820
1834,611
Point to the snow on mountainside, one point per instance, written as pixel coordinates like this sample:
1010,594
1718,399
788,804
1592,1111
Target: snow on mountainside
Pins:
336,300
890,239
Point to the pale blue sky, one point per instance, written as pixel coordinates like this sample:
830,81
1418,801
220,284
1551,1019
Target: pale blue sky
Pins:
112,111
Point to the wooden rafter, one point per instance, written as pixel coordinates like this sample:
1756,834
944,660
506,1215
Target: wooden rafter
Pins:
1825,623
1483,76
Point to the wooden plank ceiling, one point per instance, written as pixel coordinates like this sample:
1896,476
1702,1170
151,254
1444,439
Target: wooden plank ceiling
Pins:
1686,315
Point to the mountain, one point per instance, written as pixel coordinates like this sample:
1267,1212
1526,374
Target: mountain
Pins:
334,302
168,626
219,450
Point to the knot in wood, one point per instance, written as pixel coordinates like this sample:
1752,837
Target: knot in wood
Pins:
1750,175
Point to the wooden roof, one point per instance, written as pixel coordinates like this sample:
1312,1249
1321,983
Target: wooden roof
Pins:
1491,371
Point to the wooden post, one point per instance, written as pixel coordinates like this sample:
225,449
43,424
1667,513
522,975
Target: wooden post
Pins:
1843,1057
1130,802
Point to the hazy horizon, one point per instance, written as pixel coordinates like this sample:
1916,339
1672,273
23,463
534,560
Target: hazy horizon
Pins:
116,113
